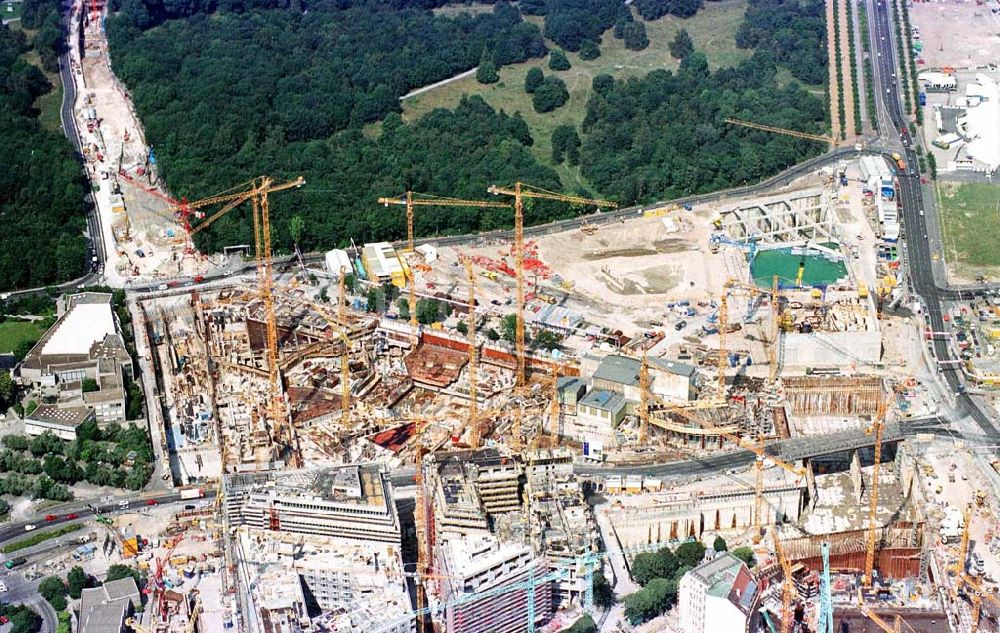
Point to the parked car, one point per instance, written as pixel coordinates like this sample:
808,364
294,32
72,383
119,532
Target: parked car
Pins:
680,325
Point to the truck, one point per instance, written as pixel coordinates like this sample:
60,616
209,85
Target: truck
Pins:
899,161
15,562
192,493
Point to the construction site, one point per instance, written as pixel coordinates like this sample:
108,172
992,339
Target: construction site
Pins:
459,434
493,412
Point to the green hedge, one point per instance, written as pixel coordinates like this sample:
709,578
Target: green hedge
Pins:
40,537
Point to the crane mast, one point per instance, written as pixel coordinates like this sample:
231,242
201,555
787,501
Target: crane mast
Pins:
257,192
474,430
780,130
520,191
720,389
876,428
787,585
644,401
410,200
775,318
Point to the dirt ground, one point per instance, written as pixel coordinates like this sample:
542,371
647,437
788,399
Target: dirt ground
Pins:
957,34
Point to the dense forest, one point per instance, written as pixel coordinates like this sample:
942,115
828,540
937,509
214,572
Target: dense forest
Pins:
793,32
664,135
458,153
238,89
309,73
42,186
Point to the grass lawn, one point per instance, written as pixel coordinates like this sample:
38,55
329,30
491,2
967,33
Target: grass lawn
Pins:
50,103
12,333
713,30
967,209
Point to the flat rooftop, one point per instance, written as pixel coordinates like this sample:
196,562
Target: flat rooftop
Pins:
78,329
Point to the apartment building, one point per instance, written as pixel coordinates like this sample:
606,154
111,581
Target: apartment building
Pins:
718,595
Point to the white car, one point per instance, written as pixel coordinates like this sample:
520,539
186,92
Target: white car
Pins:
29,527
3,587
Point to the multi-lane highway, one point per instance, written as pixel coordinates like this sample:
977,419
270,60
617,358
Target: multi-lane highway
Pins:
920,264
83,510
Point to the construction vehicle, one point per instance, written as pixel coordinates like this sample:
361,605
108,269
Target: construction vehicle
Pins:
779,130
900,163
587,228
409,200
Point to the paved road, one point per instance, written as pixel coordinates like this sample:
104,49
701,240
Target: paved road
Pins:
83,511
910,197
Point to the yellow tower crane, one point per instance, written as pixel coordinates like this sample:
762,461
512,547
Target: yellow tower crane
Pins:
761,457
410,200
257,192
474,430
819,138
772,367
336,322
976,592
520,191
787,584
720,388
963,546
895,627
644,401
876,428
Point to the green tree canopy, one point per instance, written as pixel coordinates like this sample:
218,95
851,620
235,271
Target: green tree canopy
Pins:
650,601
558,60
634,36
487,72
719,544
589,50
78,580
745,554
533,79
565,144
549,95
682,45
604,594
690,553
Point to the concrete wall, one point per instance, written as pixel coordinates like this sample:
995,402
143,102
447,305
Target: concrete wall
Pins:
670,520
831,349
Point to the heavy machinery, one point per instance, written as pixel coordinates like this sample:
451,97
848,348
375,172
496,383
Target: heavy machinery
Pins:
256,192
976,593
895,627
876,428
780,130
643,401
410,200
474,430
520,191
787,584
